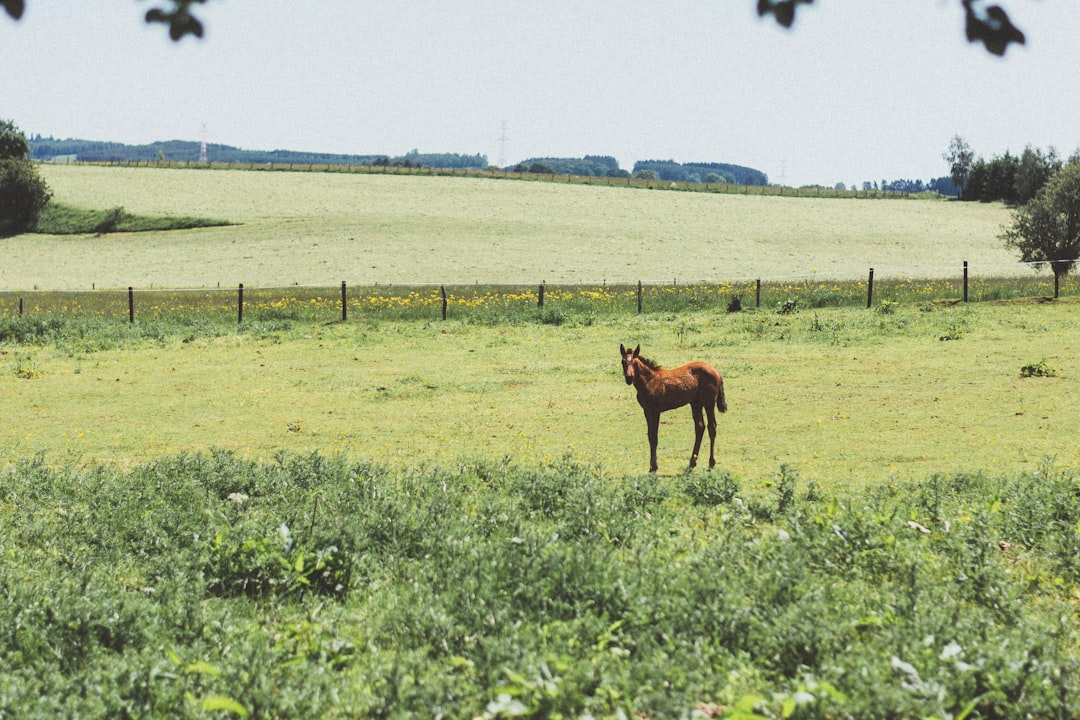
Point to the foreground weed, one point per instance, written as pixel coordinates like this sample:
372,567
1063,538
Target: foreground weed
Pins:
710,489
313,585
1039,369
24,366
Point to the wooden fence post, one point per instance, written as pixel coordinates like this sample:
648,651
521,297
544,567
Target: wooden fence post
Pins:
20,307
870,290
540,297
131,305
757,294
240,305
344,303
638,297
965,281
442,289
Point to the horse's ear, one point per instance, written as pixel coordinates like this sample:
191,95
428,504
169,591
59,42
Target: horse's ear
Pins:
622,350
637,350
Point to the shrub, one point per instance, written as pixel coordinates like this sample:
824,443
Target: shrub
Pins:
23,194
714,488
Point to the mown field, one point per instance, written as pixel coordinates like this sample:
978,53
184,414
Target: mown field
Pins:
322,228
399,516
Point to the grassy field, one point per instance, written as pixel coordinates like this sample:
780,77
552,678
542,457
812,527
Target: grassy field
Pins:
403,518
846,395
399,516
322,228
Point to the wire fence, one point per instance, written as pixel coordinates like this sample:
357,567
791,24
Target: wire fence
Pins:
344,301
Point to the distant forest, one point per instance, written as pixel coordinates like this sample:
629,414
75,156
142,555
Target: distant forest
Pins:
606,166
48,149
702,172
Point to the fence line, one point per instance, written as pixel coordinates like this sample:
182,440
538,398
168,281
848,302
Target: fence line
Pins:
444,296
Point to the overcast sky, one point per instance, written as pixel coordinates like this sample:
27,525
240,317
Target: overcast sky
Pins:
857,90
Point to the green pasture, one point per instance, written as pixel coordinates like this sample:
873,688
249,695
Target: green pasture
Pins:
323,228
403,517
846,395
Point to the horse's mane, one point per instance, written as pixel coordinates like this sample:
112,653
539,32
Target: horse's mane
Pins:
651,364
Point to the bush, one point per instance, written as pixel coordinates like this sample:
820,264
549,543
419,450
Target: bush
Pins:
710,489
23,194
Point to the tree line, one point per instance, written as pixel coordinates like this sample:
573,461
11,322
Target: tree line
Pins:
587,166
1014,180
49,148
702,172
668,170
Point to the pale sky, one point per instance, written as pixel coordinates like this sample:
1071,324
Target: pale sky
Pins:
858,90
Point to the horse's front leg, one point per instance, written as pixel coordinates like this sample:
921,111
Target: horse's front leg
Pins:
712,435
653,422
699,432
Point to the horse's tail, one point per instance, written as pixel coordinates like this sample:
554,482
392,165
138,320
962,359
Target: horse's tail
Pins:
721,401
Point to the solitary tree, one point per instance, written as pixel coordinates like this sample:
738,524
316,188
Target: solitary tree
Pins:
961,161
1047,228
22,191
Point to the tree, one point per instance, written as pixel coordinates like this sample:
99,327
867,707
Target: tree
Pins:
23,193
1003,178
978,182
961,160
989,25
1047,228
13,143
1034,170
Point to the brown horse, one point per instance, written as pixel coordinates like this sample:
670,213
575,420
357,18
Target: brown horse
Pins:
697,384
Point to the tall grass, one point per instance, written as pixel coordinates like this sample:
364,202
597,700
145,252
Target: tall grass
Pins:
314,586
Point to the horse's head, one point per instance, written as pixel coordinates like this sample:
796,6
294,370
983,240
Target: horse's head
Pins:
628,357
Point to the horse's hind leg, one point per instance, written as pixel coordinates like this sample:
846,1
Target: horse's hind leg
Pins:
709,410
699,432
